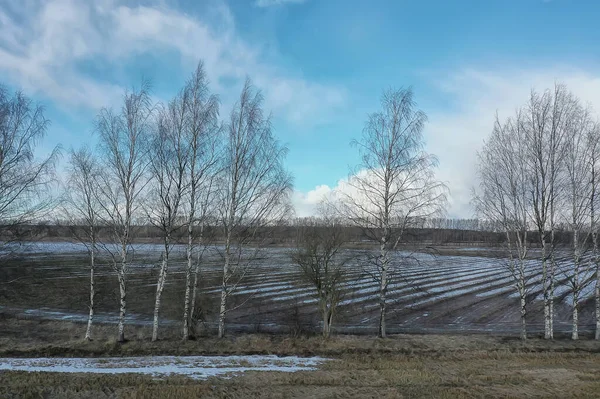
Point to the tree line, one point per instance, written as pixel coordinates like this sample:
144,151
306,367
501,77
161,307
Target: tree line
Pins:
538,176
194,174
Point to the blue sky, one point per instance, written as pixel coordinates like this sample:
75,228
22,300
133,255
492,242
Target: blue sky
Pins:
321,64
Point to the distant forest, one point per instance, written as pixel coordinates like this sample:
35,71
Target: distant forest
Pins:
435,232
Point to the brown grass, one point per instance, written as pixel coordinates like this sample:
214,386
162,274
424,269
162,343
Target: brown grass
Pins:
444,366
364,376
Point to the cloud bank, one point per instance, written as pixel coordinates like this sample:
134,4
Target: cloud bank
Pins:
457,132
47,47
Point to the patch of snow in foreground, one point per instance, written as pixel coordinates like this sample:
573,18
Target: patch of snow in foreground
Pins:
197,367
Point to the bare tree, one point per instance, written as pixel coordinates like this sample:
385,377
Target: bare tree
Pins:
545,160
24,180
320,261
394,185
202,132
124,145
503,197
545,116
82,210
594,146
169,157
578,197
253,191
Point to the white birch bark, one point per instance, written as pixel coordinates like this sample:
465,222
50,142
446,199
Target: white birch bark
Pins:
224,291
187,314
383,288
88,331
159,289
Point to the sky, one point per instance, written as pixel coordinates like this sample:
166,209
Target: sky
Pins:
322,66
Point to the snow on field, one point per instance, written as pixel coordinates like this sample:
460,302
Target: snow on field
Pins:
418,282
197,367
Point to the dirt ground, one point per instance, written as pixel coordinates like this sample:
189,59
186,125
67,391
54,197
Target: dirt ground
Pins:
460,294
445,366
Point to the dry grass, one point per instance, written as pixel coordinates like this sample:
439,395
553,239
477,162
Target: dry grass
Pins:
364,376
28,338
444,366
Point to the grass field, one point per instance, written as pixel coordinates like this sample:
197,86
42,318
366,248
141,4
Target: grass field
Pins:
425,366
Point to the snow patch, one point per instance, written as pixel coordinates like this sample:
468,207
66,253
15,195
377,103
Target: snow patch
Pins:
197,367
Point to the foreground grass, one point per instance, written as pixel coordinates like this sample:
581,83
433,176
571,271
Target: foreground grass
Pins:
365,376
426,366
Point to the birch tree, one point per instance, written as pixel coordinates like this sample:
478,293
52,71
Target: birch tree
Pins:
202,133
394,185
25,181
254,189
578,198
502,197
545,117
82,210
168,165
593,140
320,261
123,138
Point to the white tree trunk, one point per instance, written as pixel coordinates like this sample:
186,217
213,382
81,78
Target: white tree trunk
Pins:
597,295
383,289
551,294
575,331
546,292
575,283
159,289
192,301
523,315
187,315
222,311
223,307
194,291
122,305
88,331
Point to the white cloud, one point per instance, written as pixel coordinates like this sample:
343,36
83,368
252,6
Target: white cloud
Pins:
271,3
306,204
457,133
42,45
472,97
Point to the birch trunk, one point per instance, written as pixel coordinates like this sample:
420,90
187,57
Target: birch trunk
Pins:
88,331
159,289
597,266
552,284
523,317
222,311
383,288
575,331
326,323
192,300
522,285
223,306
546,292
575,282
597,294
122,305
194,290
187,314
595,255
